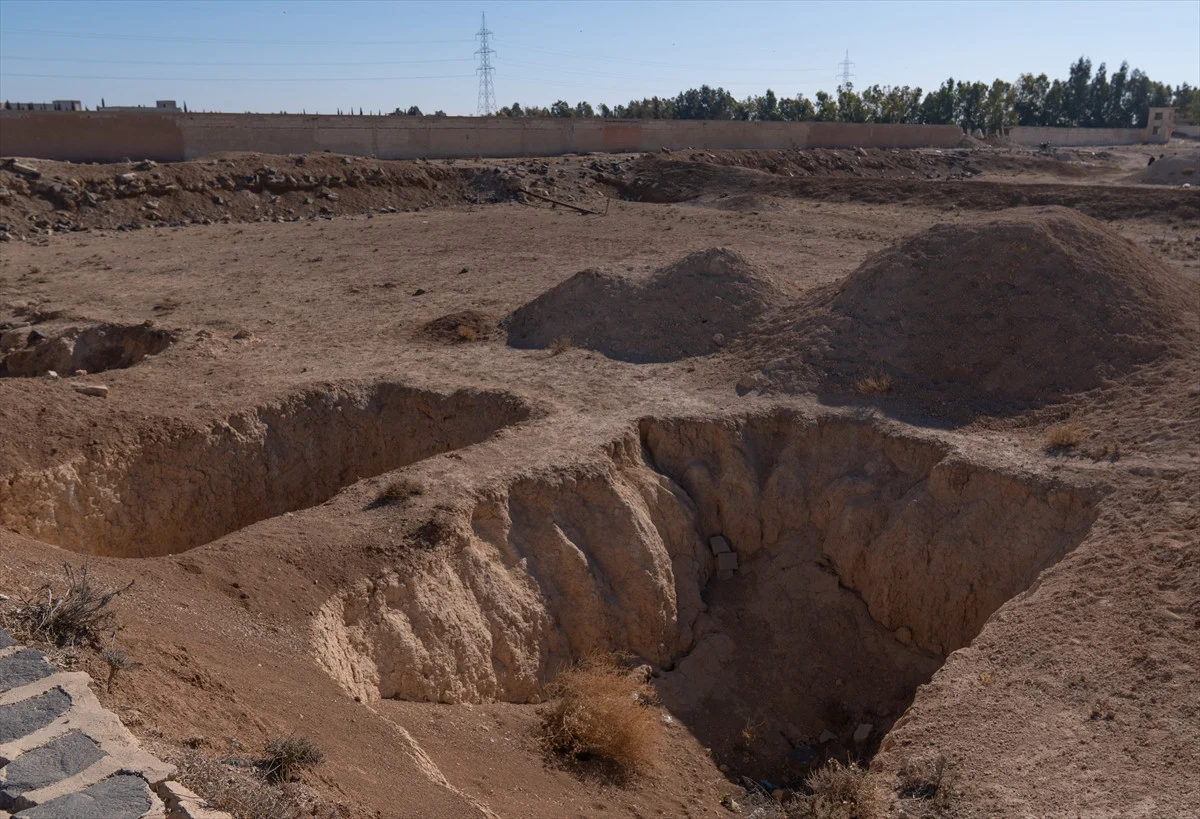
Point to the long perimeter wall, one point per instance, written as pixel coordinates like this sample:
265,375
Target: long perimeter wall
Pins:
170,137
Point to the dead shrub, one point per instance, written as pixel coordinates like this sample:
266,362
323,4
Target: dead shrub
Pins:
602,713
77,616
839,792
1063,436
875,383
459,327
243,793
398,491
560,345
117,661
921,776
288,756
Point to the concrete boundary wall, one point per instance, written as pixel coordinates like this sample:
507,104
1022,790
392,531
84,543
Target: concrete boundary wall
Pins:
169,137
1066,137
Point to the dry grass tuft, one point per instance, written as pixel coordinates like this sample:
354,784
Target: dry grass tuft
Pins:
77,616
602,713
245,794
839,792
398,491
876,383
1063,436
921,776
288,756
467,333
560,345
117,661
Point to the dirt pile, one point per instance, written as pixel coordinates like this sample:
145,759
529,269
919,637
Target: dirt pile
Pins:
47,197
1177,169
688,308
1027,306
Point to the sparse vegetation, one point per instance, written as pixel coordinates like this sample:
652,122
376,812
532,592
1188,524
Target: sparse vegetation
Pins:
288,756
398,491
467,333
921,776
117,661
1063,436
602,713
560,345
244,793
79,615
875,383
839,792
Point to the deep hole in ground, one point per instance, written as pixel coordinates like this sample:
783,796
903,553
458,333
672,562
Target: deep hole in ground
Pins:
28,352
864,557
187,486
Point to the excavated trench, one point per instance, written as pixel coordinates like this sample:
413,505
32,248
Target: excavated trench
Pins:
863,559
184,486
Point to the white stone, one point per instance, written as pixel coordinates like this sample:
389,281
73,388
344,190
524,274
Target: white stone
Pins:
97,390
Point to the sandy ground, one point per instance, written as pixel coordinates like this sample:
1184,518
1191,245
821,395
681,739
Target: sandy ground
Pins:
1077,697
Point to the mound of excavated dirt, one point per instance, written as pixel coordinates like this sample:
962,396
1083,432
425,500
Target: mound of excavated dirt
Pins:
685,309
1172,170
1028,305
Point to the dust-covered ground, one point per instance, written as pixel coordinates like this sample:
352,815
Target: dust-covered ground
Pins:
960,479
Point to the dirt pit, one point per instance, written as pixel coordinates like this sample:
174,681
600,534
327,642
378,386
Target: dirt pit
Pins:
862,559
29,352
193,485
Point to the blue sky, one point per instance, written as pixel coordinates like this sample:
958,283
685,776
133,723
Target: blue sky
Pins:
320,56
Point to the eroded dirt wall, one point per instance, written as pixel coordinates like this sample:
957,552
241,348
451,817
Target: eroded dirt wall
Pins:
615,556
183,487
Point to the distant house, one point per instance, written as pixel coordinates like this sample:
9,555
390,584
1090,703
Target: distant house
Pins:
57,105
160,105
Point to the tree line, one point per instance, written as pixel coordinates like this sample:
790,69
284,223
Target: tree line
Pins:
1086,98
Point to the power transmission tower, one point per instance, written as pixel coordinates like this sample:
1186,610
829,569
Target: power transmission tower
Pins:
845,77
487,94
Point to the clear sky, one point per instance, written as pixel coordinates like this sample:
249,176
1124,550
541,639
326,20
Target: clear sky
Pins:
320,56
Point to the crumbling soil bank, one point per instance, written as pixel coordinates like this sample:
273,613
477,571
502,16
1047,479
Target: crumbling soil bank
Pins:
864,558
188,486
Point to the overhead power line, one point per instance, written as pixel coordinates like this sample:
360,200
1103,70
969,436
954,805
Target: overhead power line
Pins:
239,79
258,42
219,64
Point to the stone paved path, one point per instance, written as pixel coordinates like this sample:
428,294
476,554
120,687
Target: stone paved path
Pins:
64,756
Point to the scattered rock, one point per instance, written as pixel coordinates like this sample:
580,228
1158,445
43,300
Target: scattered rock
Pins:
243,335
51,375
96,390
727,562
24,169
863,731
719,339
419,292
827,736
719,545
